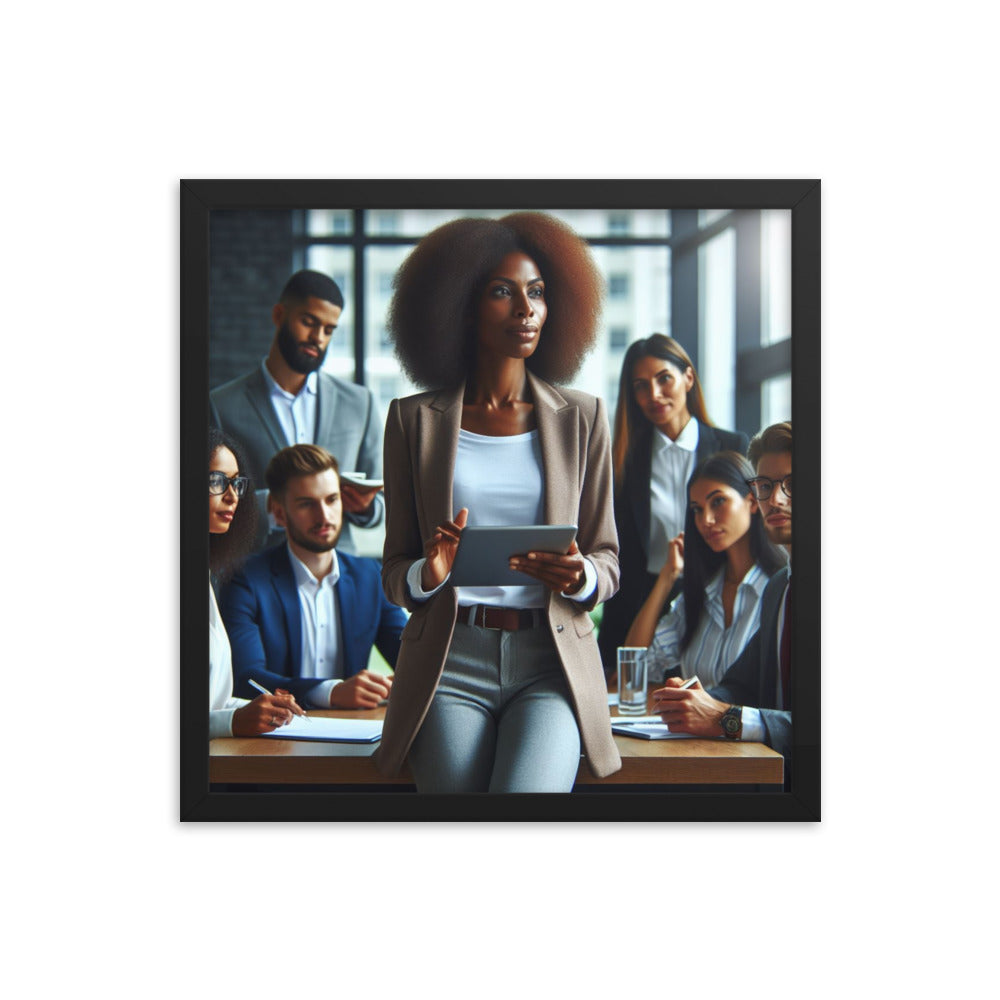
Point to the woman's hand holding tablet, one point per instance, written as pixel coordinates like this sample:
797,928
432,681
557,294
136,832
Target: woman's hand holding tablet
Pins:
562,573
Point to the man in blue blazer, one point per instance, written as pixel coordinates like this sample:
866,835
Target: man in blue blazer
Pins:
752,701
287,400
301,616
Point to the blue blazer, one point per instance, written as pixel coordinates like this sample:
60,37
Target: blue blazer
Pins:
753,678
260,608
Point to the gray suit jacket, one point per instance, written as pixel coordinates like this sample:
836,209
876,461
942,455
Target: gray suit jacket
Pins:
347,425
421,441
753,677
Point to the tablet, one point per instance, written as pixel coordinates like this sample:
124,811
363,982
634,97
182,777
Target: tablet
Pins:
484,552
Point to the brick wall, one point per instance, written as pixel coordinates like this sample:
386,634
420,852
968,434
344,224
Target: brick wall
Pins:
250,261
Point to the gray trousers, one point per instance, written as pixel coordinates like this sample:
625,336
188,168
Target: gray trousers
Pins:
500,720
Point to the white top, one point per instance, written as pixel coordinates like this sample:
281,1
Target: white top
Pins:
322,649
500,480
713,647
670,469
221,703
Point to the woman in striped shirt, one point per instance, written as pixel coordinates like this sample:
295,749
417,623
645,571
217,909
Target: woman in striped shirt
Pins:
726,560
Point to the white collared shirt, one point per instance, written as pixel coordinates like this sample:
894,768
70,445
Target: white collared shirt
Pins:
322,648
713,647
296,413
670,469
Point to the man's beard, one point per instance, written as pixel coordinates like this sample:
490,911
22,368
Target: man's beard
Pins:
310,544
292,352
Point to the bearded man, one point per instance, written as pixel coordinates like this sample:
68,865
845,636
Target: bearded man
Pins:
303,617
288,400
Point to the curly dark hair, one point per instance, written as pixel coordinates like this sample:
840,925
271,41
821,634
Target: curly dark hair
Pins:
227,551
701,563
432,314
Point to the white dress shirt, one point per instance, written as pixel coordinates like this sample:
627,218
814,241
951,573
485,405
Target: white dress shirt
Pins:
296,413
322,646
670,469
297,416
713,647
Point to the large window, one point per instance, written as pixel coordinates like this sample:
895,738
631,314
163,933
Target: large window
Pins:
632,248
717,280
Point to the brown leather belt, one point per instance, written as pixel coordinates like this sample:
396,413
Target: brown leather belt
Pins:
507,619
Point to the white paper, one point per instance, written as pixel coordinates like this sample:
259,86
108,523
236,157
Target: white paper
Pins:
331,730
650,727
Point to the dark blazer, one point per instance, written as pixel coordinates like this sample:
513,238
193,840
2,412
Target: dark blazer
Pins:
753,678
347,425
632,515
421,441
260,608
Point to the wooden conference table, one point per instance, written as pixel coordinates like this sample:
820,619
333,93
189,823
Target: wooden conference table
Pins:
265,761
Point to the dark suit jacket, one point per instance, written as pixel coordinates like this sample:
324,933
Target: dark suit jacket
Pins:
421,441
632,519
347,425
260,608
753,678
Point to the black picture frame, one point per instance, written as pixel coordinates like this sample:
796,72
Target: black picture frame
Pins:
199,198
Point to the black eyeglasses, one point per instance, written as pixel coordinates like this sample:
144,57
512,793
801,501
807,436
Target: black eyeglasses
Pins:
763,487
219,482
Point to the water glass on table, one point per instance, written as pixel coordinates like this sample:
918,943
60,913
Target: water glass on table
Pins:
631,680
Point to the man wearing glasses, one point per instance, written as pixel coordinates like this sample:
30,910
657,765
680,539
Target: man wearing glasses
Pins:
752,702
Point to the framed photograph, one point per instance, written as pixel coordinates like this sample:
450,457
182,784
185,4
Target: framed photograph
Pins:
730,269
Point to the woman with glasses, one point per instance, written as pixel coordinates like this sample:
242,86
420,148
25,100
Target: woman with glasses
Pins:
726,560
661,432
230,536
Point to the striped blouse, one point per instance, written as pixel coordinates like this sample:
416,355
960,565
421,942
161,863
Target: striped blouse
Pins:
713,647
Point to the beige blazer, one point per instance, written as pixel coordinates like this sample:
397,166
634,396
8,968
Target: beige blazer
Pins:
421,441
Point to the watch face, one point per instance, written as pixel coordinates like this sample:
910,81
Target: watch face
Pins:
731,723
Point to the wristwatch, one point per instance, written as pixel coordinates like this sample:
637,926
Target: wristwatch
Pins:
731,721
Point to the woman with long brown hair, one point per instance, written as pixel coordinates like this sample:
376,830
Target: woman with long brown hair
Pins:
662,430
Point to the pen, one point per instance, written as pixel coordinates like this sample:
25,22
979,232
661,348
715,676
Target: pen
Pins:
264,690
690,682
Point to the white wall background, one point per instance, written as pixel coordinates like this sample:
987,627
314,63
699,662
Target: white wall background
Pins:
107,106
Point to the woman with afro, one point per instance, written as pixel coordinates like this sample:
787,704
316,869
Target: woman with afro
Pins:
497,689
